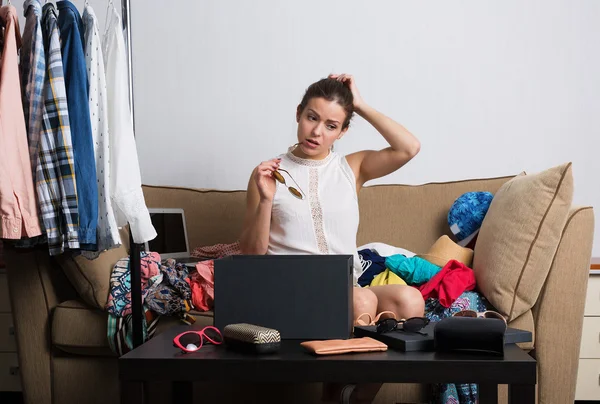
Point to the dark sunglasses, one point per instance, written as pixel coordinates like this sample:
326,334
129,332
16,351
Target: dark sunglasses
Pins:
413,324
277,175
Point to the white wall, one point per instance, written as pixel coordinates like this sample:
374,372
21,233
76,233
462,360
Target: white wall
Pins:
490,88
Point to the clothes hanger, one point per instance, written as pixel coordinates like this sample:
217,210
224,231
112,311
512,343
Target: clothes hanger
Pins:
108,6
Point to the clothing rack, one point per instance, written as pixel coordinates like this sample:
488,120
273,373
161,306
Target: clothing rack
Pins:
137,305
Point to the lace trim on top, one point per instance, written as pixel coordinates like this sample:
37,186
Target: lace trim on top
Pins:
316,211
309,162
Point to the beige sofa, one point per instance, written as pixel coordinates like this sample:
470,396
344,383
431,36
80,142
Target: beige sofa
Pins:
61,327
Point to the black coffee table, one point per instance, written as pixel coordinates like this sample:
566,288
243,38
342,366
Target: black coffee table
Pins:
158,360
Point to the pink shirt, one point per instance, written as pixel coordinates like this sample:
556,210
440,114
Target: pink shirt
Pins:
18,210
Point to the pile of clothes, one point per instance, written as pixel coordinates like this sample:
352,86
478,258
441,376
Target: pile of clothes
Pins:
443,272
444,278
168,289
443,275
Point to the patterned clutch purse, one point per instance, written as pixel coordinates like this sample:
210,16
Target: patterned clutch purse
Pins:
251,338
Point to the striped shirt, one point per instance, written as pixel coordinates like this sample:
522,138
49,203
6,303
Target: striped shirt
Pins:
33,73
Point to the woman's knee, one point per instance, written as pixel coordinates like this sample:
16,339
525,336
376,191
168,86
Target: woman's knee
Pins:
405,301
412,302
365,301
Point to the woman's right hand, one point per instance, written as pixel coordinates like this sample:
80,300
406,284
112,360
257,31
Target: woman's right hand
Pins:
263,176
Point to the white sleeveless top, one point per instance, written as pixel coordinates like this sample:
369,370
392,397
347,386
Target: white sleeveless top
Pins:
326,220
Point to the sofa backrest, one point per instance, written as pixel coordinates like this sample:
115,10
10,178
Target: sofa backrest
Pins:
407,216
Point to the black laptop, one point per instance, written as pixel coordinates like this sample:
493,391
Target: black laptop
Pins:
302,296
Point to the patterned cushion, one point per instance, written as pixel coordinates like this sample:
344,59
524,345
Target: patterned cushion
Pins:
467,213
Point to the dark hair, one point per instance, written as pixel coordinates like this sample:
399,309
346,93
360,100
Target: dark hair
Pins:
331,90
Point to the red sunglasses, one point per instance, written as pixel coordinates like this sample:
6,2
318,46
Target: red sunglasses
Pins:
191,341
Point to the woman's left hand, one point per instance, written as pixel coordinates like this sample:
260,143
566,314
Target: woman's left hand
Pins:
349,81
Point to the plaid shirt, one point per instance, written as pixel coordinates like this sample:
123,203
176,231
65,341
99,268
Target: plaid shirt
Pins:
55,179
33,73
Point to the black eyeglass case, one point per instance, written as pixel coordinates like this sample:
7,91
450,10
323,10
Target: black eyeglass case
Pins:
250,338
410,341
473,335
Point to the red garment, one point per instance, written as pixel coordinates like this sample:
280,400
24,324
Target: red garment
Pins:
202,283
448,284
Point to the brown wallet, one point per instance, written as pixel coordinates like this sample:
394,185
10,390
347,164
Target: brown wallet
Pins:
341,346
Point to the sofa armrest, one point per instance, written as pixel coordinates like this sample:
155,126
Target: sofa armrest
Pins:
558,313
36,285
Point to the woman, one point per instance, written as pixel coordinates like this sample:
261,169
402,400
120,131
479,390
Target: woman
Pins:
324,219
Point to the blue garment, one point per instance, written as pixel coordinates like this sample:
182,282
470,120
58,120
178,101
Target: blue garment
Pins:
373,264
76,83
414,270
467,213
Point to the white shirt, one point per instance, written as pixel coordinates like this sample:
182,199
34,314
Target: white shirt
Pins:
107,231
326,220
125,180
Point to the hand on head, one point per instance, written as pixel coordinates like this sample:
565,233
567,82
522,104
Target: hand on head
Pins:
350,82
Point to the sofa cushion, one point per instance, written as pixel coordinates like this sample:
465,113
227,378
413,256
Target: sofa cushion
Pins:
519,237
82,330
91,278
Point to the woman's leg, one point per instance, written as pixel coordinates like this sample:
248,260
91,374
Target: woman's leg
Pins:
403,300
365,301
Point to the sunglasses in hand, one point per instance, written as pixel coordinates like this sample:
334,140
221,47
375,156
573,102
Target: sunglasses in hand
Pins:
277,175
191,341
413,324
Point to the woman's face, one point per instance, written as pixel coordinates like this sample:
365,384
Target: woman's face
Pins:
319,126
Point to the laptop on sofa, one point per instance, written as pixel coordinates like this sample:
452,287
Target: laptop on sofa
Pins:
302,296
171,240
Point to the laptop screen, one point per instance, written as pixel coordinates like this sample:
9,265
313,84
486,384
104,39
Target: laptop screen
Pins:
171,239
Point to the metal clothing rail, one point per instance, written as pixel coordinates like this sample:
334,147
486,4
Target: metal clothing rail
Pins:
137,305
